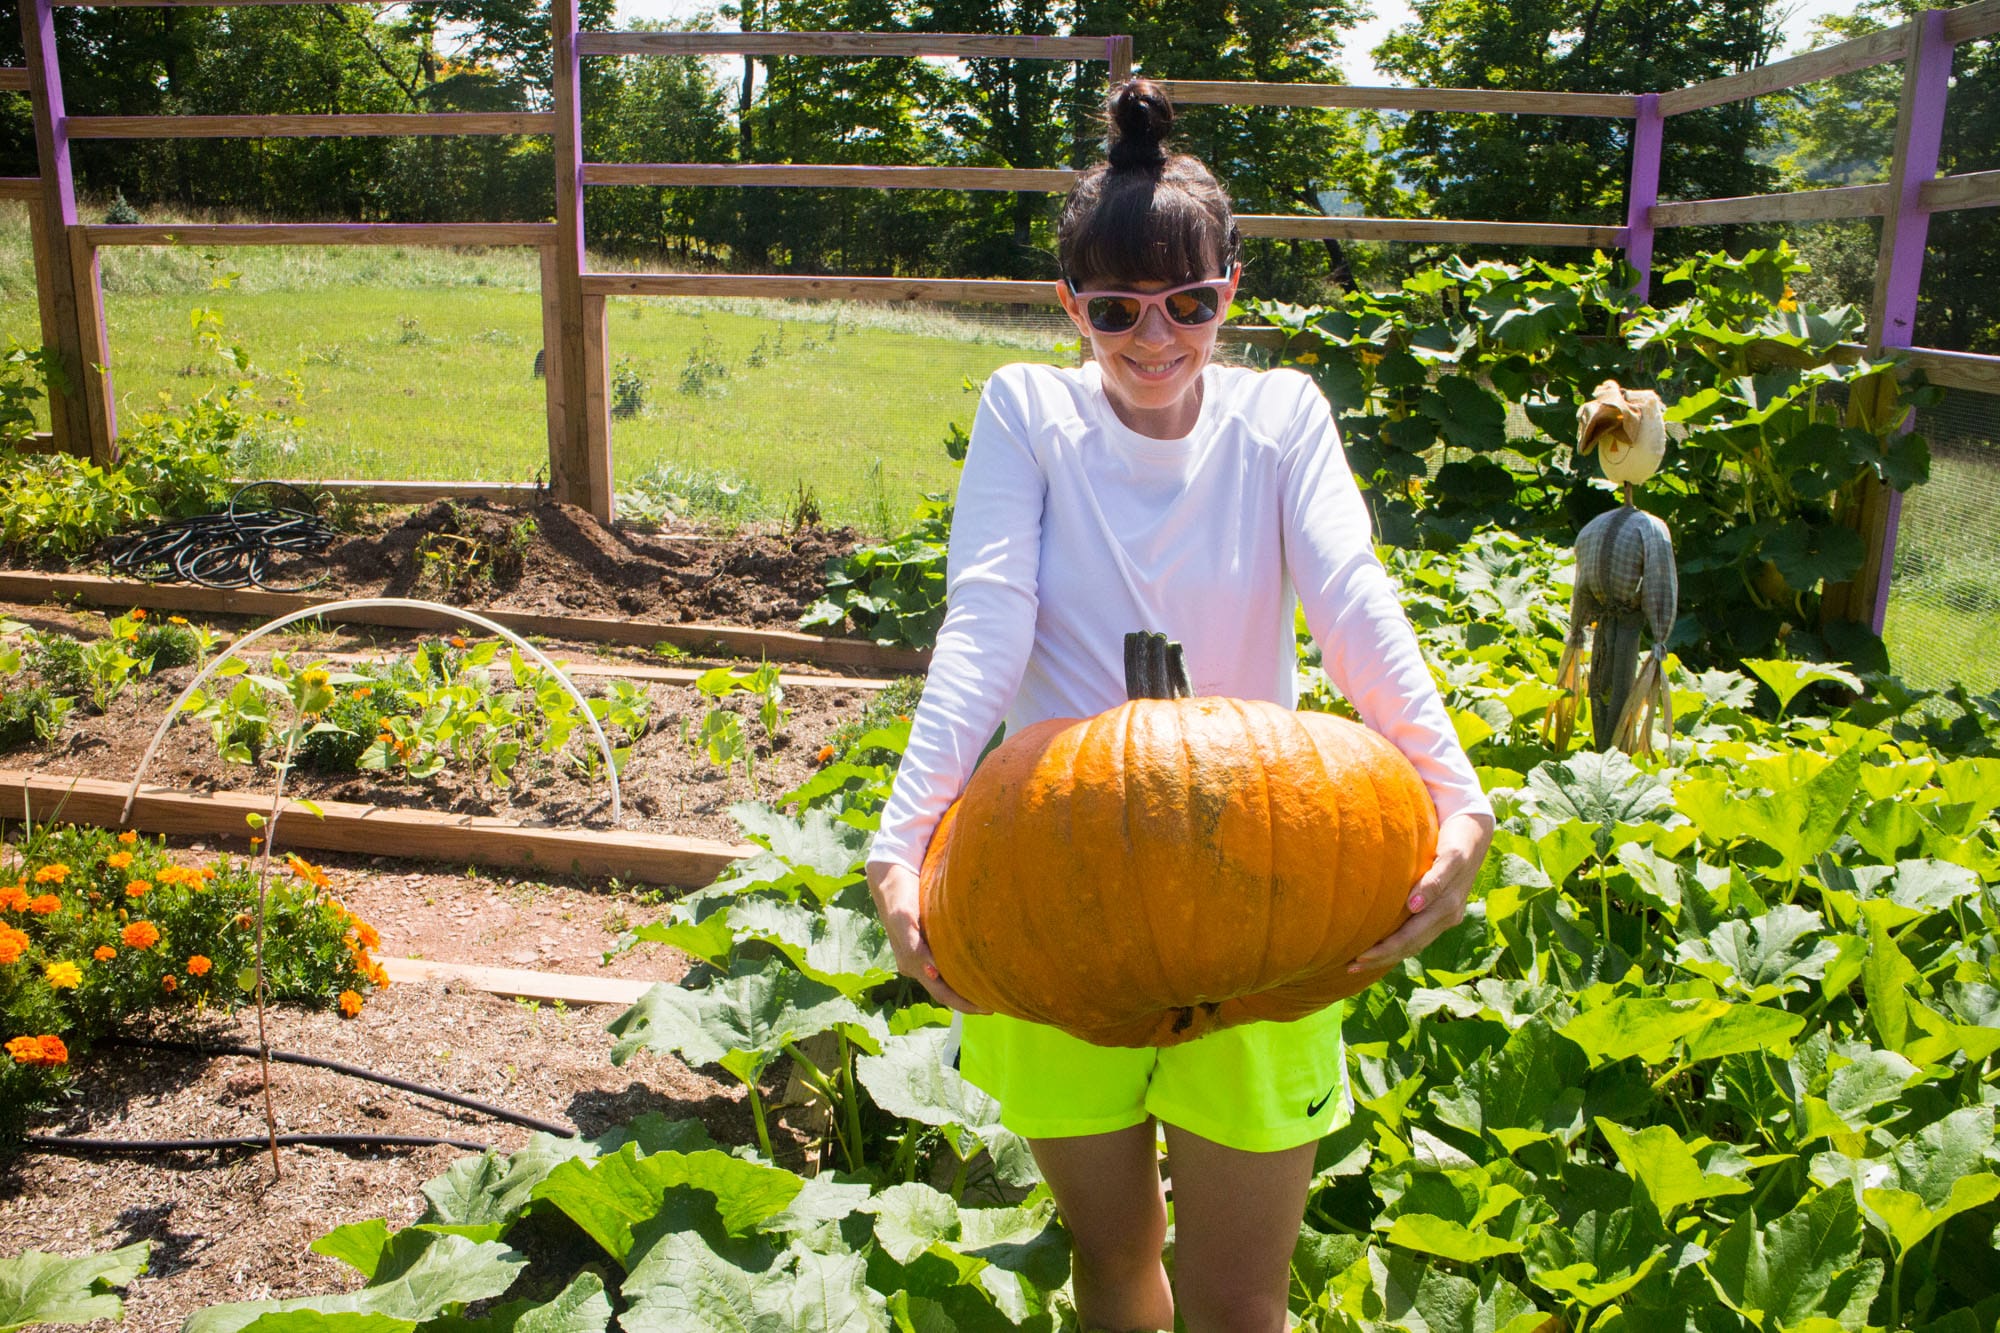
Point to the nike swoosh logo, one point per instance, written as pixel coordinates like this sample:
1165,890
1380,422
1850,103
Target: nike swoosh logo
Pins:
1312,1108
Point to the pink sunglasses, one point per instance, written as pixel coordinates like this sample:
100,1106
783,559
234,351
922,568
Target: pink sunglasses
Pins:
1190,306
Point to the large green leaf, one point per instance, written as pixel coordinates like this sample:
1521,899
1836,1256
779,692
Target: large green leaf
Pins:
742,1021
1528,1090
1764,957
1804,1264
1597,1258
910,1218
912,1079
1646,1026
1417,1298
438,1274
687,1287
609,1197
834,945
38,1288
581,1307
1666,1167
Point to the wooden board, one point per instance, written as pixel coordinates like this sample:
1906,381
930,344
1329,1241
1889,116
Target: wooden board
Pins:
417,492
992,292
1877,48
294,127
1846,201
603,670
1969,23
1958,370
1426,230
517,982
1476,100
1975,189
840,45
342,826
21,189
324,233
730,640
838,177
13,79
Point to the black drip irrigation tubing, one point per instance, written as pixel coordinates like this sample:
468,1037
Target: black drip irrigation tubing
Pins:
236,547
54,1143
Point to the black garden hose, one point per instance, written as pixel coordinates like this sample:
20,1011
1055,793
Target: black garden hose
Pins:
237,547
353,1071
57,1144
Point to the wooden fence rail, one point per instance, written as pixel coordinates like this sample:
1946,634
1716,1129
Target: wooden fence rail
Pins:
575,332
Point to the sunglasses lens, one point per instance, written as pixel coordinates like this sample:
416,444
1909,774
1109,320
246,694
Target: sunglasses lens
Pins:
1113,314
1197,305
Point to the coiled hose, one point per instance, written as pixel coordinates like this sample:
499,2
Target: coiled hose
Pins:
245,545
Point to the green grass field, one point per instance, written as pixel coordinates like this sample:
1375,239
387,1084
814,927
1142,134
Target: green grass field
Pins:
417,364
1943,622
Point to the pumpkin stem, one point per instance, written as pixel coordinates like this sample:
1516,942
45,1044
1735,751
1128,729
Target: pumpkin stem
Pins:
1155,667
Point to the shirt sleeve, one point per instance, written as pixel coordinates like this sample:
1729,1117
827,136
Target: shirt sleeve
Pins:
982,648
1368,648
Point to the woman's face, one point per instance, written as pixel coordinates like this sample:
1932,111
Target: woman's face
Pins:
1152,371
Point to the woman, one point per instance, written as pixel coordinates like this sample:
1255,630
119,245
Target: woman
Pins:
1153,490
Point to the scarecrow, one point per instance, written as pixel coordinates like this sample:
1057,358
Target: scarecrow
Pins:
1625,581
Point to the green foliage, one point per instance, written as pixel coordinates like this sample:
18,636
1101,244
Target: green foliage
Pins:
37,1288
668,490
1764,475
25,376
97,928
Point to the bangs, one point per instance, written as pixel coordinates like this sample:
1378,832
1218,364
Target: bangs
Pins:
1143,228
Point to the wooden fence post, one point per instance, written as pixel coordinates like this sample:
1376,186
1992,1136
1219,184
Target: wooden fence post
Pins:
72,302
1899,272
1648,134
572,476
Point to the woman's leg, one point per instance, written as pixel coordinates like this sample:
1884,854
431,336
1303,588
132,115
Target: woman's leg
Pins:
1236,1221
1108,1189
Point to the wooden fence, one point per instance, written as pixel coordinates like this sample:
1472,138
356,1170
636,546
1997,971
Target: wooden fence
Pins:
70,291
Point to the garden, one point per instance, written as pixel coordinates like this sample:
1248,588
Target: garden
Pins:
1715,1048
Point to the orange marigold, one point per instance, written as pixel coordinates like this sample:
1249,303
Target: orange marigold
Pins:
38,1051
825,755
104,953
198,966
363,691
350,1003
13,943
118,860
244,920
378,976
370,938
138,888
129,836
458,641
140,935
13,898
53,873
138,613
46,905
177,620
169,984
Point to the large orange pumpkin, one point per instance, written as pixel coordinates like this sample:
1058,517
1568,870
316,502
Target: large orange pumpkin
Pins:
1174,865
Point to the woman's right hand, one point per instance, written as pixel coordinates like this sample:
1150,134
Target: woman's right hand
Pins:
899,901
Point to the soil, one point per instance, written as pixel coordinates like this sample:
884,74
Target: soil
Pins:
223,1229
556,559
667,786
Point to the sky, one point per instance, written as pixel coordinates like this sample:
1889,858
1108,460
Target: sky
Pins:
1359,41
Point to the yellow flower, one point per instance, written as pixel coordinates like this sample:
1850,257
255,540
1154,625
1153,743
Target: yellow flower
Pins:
1369,358
138,888
118,860
64,975
129,836
177,620
52,874
1790,300
1307,358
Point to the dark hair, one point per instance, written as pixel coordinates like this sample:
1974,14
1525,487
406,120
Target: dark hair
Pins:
1144,214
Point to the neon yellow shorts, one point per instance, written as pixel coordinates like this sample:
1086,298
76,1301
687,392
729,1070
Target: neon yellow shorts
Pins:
1260,1087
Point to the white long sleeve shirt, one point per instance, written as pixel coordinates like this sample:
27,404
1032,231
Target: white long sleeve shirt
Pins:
1072,529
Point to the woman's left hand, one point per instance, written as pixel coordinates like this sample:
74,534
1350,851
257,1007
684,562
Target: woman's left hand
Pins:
1437,903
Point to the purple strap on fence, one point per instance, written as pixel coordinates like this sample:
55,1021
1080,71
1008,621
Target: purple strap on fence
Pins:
1648,133
1902,258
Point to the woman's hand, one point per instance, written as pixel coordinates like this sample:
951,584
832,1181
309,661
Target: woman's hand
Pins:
1437,903
899,902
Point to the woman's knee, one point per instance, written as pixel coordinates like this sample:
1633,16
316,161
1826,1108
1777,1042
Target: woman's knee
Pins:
1217,1304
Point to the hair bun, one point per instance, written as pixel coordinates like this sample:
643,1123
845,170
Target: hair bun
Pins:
1141,118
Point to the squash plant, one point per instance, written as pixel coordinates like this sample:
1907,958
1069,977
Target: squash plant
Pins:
1717,1048
1457,393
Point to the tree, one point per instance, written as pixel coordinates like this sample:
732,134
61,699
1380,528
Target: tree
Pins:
1575,168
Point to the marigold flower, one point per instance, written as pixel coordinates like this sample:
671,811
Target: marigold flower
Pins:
53,873
118,860
63,975
177,620
104,953
140,935
13,943
169,984
367,934
47,1050
1307,358
350,1003
46,905
363,691
138,613
378,976
198,966
13,898
244,920
825,755
458,641
129,836
138,888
